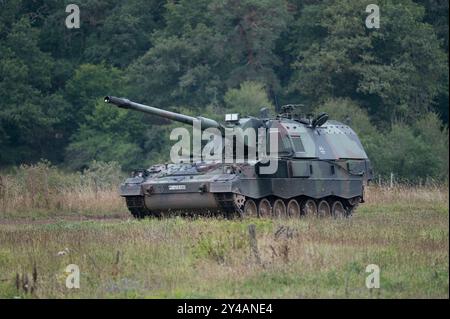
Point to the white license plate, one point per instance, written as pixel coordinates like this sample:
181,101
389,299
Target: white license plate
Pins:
177,187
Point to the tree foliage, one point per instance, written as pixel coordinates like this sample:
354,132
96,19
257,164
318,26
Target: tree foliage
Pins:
209,57
395,72
249,99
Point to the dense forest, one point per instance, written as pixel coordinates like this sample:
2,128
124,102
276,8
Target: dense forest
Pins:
207,57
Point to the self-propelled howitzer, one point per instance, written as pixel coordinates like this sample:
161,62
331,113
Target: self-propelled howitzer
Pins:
322,170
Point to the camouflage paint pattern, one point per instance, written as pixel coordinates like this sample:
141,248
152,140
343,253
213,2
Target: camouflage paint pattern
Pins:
314,162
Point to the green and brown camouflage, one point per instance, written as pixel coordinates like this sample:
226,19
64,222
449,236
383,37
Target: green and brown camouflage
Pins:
322,169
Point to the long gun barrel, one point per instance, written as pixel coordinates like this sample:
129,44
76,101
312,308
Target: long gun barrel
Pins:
186,119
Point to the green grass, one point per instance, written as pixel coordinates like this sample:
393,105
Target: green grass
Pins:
211,258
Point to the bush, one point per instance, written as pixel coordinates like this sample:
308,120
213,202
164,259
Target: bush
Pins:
110,134
349,112
431,132
102,175
248,99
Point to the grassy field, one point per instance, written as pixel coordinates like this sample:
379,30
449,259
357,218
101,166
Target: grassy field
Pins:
405,231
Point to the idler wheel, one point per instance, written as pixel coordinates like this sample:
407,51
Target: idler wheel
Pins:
264,208
293,209
323,210
250,208
279,209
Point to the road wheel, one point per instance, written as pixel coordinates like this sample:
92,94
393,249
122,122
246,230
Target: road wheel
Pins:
338,210
309,208
293,209
323,210
250,209
264,208
279,209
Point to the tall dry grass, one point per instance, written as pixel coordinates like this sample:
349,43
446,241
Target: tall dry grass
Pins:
376,194
43,188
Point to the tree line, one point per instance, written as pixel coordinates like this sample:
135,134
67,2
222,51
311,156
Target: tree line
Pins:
207,58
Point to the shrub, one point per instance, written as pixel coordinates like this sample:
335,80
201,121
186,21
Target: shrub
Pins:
248,99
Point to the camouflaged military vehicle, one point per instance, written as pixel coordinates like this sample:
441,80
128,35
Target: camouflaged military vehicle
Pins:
322,170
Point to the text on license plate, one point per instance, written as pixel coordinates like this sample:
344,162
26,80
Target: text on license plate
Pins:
177,187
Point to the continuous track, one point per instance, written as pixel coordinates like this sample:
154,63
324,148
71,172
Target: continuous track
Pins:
232,205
